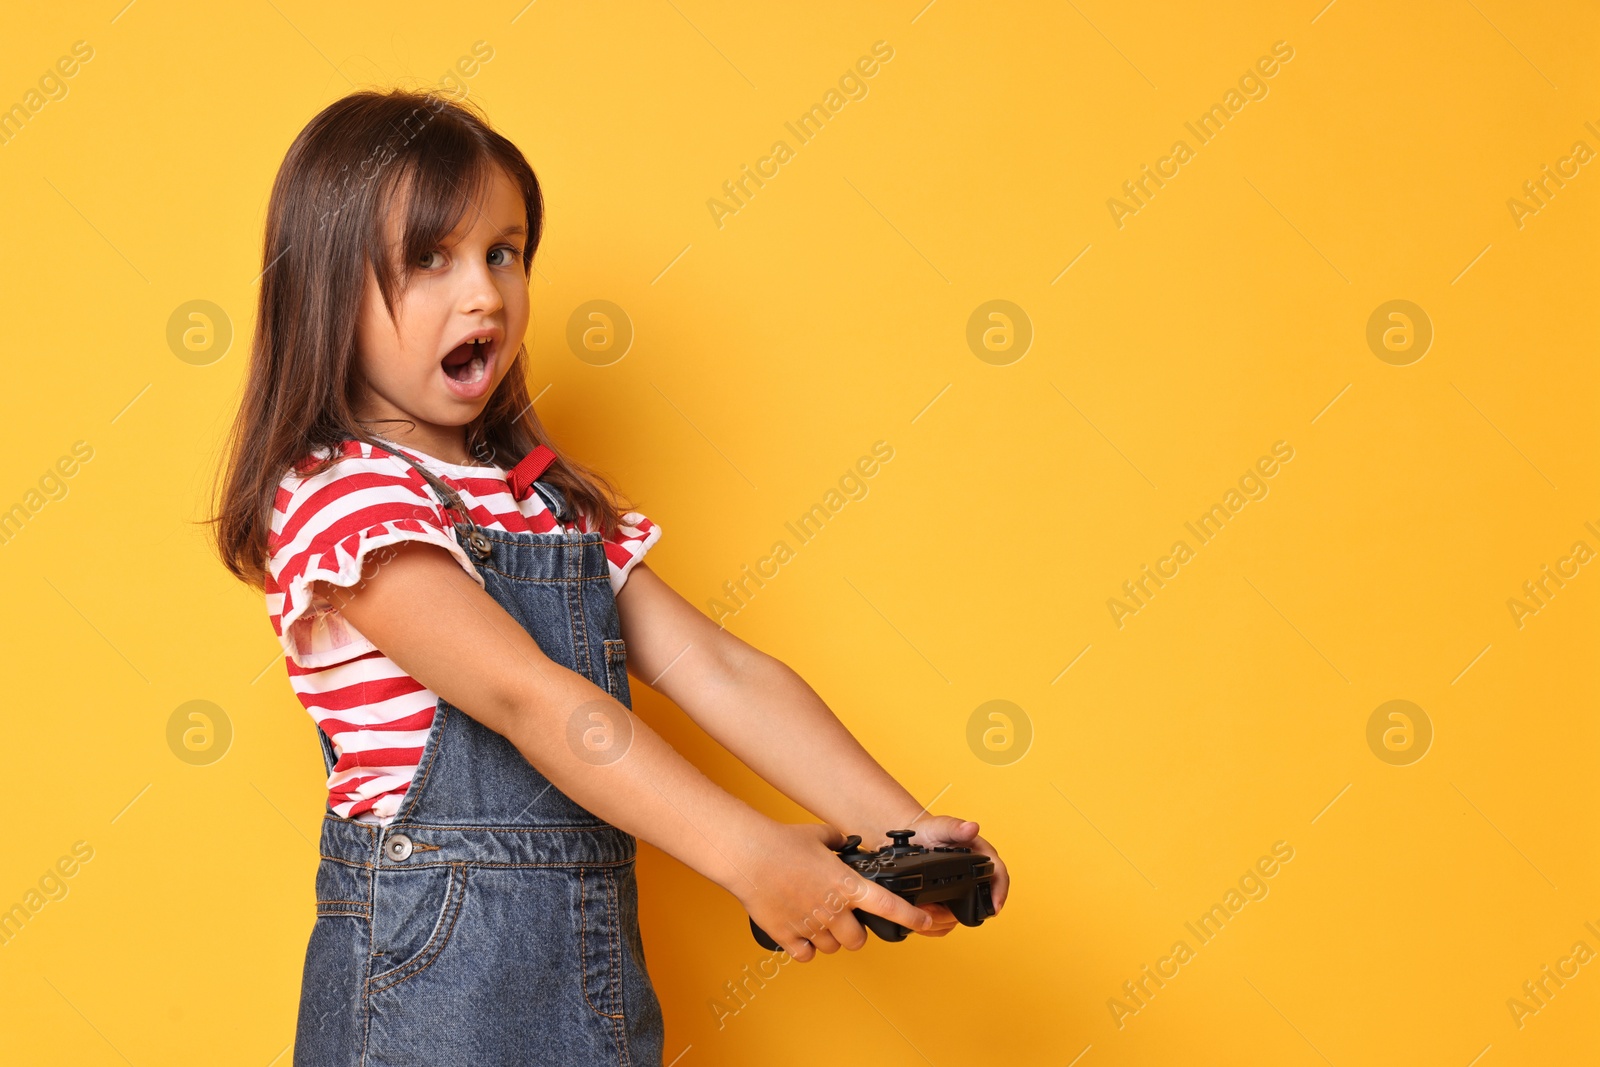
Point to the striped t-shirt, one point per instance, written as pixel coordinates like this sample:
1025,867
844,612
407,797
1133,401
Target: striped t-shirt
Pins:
377,716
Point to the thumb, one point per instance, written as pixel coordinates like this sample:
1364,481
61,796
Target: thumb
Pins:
826,833
948,829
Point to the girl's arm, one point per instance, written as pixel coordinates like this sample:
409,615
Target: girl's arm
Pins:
427,615
763,712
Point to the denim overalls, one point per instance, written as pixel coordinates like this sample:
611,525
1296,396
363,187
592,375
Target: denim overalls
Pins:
494,922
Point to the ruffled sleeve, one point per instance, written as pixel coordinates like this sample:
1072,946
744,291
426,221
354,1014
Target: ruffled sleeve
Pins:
334,527
635,535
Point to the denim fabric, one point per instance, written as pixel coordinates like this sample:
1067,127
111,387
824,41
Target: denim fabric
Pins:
508,932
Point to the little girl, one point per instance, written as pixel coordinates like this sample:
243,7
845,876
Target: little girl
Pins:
460,605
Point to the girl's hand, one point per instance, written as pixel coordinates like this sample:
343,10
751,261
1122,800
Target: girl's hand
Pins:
946,830
799,891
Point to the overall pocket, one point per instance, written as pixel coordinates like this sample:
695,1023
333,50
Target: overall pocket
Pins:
329,1023
600,940
414,913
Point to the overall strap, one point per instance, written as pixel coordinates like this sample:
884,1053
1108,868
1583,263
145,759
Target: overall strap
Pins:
524,478
452,501
528,469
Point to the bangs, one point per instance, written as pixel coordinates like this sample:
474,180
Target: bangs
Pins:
439,186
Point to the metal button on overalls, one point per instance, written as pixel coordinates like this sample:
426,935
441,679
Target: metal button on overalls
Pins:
397,847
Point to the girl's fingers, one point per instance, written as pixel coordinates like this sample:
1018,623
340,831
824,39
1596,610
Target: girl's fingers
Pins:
943,920
948,830
848,931
799,949
1002,877
879,901
824,941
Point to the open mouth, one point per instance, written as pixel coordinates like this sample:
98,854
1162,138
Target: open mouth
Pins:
469,363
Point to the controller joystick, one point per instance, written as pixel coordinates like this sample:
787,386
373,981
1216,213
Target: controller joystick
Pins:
901,841
951,875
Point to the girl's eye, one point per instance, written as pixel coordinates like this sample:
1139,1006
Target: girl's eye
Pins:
514,254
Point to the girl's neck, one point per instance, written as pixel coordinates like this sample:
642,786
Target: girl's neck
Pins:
444,449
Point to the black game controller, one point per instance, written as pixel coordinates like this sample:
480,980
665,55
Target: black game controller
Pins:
950,875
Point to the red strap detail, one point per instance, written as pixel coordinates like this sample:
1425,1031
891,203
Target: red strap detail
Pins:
528,469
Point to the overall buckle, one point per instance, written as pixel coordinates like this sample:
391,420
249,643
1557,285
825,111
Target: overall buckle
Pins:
475,539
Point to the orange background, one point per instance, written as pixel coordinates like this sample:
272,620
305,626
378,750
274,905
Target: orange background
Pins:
1163,757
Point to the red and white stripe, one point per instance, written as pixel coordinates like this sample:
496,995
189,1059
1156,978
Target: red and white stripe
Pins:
323,529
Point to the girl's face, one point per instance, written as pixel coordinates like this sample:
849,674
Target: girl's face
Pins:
420,365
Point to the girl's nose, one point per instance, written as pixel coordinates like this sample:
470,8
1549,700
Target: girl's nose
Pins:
479,291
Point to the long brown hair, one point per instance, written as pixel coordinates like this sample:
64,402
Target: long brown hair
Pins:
325,223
